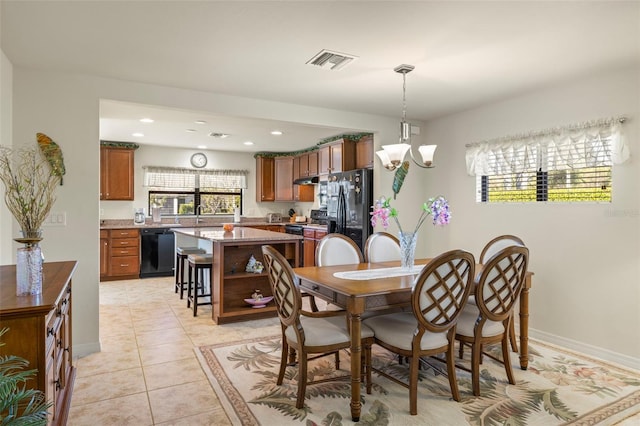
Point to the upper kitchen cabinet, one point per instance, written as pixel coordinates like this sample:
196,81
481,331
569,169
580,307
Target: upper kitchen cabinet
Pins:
364,152
284,178
337,156
265,179
307,164
116,170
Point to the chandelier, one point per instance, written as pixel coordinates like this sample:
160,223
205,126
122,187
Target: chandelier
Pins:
392,156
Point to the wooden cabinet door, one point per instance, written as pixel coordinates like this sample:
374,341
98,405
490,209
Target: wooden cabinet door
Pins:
303,192
336,158
104,253
303,161
312,163
284,179
364,153
324,160
265,179
116,173
309,248
297,172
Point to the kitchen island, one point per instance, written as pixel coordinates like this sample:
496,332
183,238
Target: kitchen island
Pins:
232,250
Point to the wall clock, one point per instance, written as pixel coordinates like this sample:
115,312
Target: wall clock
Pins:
198,160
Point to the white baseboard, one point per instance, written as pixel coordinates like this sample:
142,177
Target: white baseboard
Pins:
84,349
594,351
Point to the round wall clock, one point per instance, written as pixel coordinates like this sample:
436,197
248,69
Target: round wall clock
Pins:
198,160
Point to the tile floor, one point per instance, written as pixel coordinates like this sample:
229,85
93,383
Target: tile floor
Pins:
147,372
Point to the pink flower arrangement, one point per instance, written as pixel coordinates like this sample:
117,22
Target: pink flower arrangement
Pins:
437,207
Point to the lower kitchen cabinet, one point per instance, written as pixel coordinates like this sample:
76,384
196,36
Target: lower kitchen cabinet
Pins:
40,331
311,238
123,259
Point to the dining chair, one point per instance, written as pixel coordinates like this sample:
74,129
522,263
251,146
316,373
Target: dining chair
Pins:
381,247
487,321
491,248
337,249
308,333
439,294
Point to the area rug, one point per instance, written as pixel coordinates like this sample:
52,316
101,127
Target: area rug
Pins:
560,387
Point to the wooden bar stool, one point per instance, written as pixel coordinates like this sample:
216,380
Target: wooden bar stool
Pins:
198,264
181,260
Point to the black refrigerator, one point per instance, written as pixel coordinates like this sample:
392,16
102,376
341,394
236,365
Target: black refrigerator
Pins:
349,201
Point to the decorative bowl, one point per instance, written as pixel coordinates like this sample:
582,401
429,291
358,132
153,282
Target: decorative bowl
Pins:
228,227
259,303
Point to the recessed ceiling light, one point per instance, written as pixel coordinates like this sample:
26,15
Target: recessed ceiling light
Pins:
138,135
276,132
202,147
248,143
191,130
200,122
146,120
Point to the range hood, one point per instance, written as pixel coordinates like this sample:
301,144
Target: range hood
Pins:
306,180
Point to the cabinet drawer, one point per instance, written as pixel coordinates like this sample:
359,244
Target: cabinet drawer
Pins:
124,242
309,233
124,251
320,234
124,233
125,265
323,293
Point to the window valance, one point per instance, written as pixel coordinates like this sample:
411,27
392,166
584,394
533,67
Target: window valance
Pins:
590,144
177,178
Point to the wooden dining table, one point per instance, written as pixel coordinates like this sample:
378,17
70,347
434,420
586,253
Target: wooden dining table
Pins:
358,296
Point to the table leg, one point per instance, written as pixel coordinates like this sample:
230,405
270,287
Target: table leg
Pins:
524,325
356,356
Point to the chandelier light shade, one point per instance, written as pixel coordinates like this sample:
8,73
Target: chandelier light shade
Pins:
391,156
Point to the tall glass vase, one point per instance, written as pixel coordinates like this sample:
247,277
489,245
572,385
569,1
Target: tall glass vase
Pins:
407,249
29,265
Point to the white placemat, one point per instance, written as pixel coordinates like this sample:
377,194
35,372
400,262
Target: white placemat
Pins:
372,274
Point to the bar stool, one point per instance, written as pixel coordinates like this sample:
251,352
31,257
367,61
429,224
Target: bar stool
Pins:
181,260
198,264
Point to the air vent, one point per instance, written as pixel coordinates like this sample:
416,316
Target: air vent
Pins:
218,135
331,60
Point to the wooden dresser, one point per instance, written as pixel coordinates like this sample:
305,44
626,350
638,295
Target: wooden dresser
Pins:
40,332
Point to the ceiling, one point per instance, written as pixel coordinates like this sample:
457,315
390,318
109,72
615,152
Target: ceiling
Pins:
465,53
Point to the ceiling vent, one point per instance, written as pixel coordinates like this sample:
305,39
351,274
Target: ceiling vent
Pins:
218,135
331,60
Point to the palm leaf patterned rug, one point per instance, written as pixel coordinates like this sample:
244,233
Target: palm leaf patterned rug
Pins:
560,387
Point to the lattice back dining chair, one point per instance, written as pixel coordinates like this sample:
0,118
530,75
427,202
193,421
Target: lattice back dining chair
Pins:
381,247
337,249
321,333
491,248
487,321
440,293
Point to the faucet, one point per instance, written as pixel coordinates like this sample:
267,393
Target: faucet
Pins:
198,212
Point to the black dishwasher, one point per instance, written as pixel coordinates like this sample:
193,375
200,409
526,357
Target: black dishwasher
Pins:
157,252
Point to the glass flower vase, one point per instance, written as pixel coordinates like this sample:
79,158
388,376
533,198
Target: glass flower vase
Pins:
407,249
29,265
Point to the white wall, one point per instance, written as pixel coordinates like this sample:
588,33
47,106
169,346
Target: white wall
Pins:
6,97
66,107
586,257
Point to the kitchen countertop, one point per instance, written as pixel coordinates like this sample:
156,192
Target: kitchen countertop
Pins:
239,234
126,224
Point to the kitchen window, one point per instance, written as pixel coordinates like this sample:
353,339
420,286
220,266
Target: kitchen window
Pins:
571,164
180,191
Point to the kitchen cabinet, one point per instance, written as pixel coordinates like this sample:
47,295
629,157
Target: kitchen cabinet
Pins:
307,164
364,152
311,238
265,179
40,331
272,228
337,156
123,261
104,253
284,178
116,173
303,192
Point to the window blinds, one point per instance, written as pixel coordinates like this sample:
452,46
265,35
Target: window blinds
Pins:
592,144
180,179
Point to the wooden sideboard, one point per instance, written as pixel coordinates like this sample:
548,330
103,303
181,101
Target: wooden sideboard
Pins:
40,332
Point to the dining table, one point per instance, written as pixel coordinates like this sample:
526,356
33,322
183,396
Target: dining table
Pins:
378,287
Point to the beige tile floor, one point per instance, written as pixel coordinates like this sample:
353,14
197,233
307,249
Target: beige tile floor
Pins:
147,372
